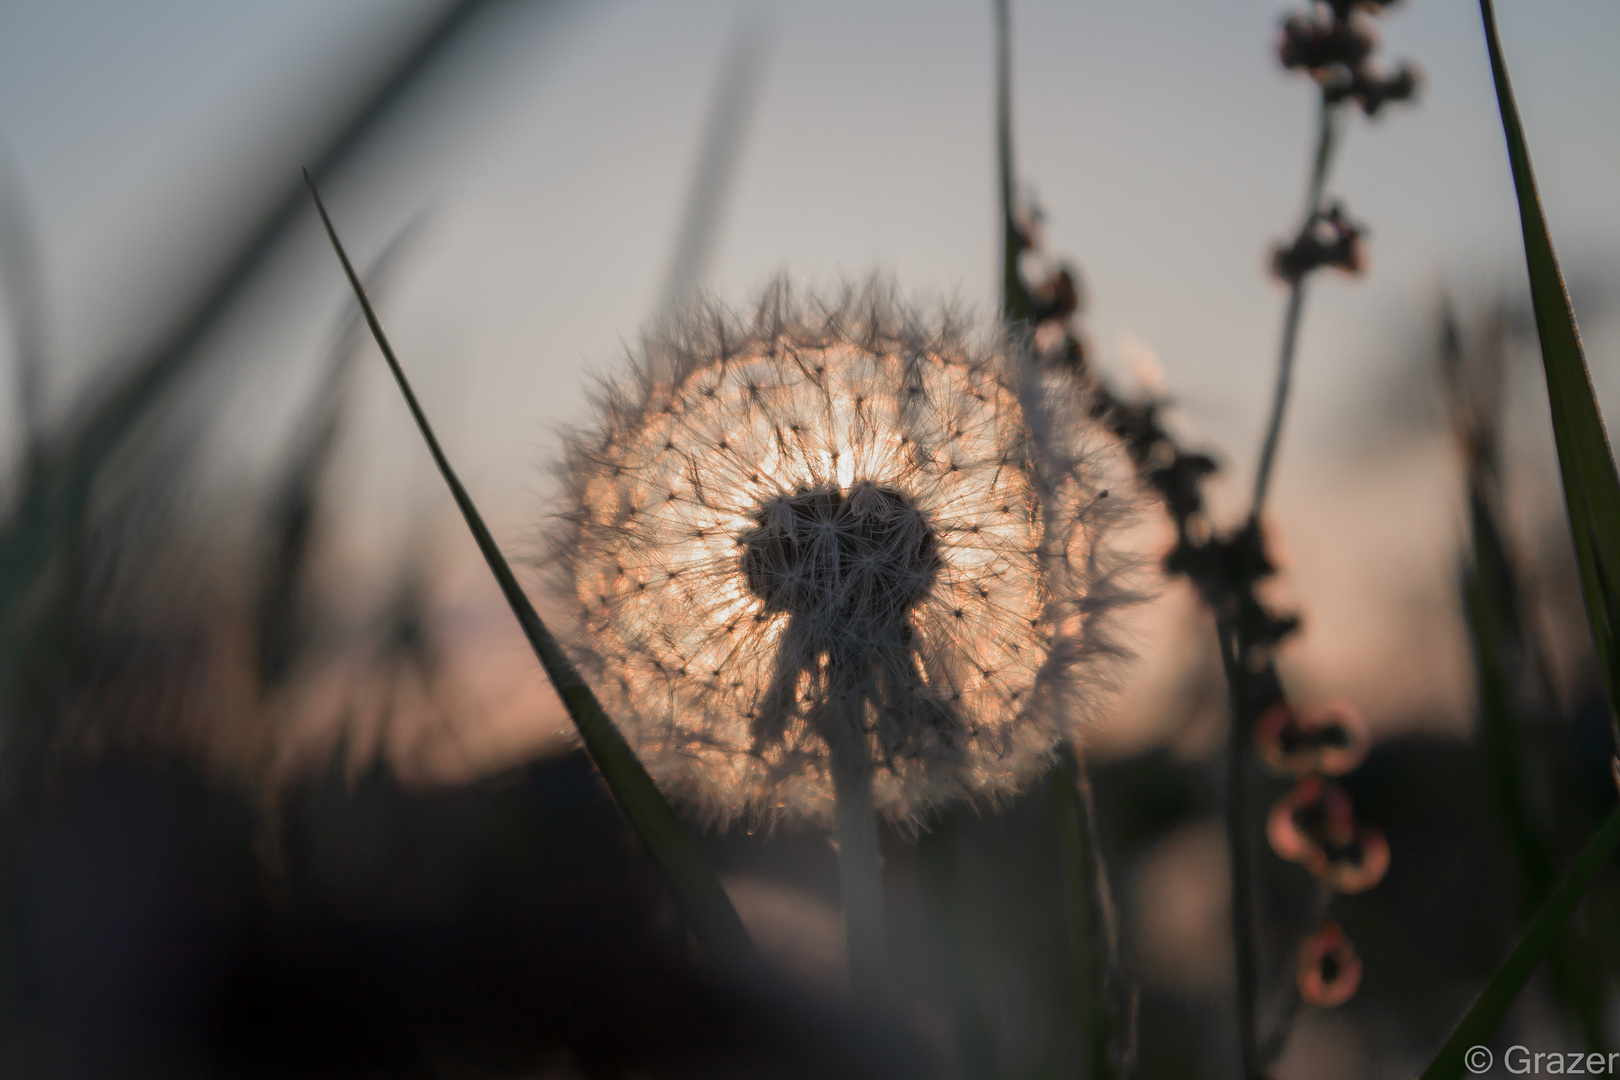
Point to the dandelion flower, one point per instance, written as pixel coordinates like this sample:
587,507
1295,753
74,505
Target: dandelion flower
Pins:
836,545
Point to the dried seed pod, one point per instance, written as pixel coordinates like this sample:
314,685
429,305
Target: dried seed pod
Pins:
1331,740
1329,970
1329,238
1315,825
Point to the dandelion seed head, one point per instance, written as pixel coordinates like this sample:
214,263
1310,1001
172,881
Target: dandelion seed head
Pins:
836,527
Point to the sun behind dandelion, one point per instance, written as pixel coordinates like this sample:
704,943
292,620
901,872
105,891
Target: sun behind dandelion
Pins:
835,538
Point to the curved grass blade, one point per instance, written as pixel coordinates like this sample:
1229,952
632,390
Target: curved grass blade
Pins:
1543,932
1591,484
1513,674
1592,498
53,500
708,910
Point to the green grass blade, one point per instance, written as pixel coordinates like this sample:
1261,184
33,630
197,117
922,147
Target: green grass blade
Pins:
1543,932
1591,485
708,910
1511,764
1592,498
1015,303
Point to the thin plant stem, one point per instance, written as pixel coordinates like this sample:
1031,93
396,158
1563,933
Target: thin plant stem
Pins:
736,99
1235,651
1123,1052
1107,1024
1015,305
1326,142
1279,396
860,876
1272,1048
1241,844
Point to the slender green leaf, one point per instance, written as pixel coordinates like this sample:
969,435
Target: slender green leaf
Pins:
1487,1010
1511,762
707,908
1592,497
1591,484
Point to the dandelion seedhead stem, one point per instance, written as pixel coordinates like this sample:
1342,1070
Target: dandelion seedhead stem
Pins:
860,877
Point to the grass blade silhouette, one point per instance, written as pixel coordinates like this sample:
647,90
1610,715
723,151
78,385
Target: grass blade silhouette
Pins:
1487,1010
1591,484
55,496
1592,498
708,910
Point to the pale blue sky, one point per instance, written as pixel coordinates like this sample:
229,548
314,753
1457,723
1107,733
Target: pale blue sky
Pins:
1165,143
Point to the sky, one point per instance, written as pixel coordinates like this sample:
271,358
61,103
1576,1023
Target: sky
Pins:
546,164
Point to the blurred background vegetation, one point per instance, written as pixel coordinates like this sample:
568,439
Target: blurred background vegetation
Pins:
284,793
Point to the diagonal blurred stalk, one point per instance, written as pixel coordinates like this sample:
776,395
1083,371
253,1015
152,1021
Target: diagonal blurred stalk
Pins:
736,99
1515,684
1242,844
1592,499
697,891
56,494
1246,673
1015,302
1105,1049
1532,947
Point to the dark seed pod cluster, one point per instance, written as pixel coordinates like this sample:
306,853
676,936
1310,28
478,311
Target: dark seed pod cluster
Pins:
1334,44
